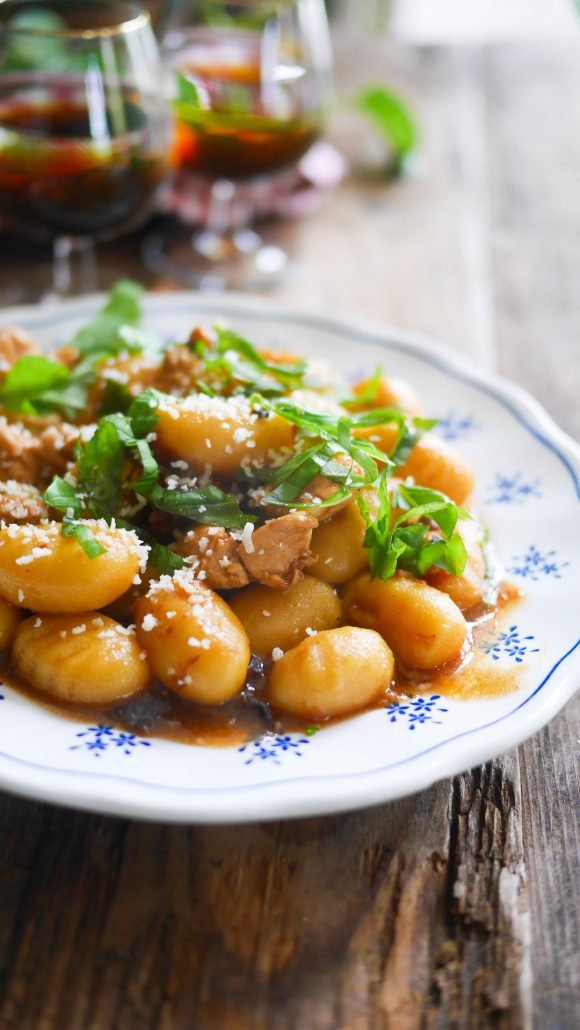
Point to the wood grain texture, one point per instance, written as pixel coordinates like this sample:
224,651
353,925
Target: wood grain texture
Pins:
455,908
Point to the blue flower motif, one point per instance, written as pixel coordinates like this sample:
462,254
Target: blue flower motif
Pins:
455,427
533,564
416,712
270,747
511,644
98,738
512,489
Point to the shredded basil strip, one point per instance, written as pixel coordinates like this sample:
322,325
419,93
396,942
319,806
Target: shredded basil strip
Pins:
405,544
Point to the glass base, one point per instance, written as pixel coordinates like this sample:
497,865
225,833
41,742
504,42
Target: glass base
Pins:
213,263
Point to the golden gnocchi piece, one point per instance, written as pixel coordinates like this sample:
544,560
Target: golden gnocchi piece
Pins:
391,392
336,672
338,543
437,465
422,625
469,588
43,570
10,616
432,462
219,432
85,658
194,642
282,618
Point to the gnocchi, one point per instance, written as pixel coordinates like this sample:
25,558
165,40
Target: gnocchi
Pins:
85,658
333,673
207,432
280,619
422,625
431,462
338,543
10,616
237,547
48,572
388,392
194,642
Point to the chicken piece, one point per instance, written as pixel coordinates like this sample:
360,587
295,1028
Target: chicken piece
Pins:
218,555
278,551
20,502
30,457
179,371
14,344
321,489
201,335
67,355
19,451
57,444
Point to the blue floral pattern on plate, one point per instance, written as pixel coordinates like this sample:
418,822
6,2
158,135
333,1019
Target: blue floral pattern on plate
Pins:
100,738
417,711
453,426
511,644
535,564
271,747
512,489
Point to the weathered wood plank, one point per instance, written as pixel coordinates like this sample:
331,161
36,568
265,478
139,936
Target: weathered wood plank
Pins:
534,135
382,918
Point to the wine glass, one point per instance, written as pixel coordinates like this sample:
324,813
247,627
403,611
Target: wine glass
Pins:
85,128
251,81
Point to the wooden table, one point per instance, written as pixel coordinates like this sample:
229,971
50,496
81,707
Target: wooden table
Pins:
457,907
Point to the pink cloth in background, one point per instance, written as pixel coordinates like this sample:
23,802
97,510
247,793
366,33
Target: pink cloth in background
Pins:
294,193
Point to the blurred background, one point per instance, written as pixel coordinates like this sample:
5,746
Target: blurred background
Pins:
440,187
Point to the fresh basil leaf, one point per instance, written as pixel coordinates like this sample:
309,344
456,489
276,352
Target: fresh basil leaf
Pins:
62,496
407,543
292,374
164,561
84,536
455,557
143,412
370,392
207,504
70,400
103,332
100,466
30,377
116,397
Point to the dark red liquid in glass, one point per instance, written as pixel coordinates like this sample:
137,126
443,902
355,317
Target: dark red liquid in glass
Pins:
241,126
63,168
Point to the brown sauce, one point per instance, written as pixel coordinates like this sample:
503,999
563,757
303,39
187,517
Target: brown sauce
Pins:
161,713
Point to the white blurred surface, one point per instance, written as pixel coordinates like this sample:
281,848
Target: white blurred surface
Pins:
469,21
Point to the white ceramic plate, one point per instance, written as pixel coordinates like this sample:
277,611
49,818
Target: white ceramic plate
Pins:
528,475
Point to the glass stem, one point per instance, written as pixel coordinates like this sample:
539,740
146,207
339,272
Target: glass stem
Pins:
214,241
74,265
220,211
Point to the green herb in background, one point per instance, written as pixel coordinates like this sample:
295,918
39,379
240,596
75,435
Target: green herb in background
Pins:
186,91
393,119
